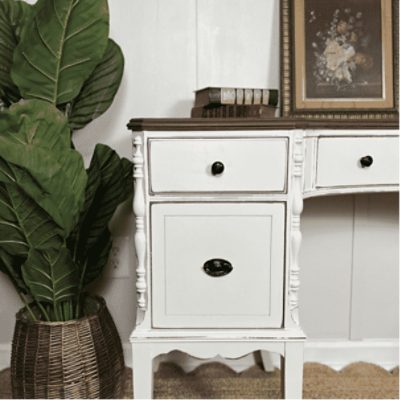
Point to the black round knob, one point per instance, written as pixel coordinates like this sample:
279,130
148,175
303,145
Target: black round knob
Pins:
366,161
217,267
217,168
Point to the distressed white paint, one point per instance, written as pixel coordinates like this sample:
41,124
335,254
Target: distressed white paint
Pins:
295,206
145,350
139,208
336,354
192,229
338,161
184,297
292,370
249,236
248,164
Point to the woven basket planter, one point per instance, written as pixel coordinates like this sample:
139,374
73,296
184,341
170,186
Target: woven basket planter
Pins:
74,359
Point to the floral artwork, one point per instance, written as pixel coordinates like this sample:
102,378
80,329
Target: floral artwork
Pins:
343,48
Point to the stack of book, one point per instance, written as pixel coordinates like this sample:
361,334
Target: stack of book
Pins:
213,102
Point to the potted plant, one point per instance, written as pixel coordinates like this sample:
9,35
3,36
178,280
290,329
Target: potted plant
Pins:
59,72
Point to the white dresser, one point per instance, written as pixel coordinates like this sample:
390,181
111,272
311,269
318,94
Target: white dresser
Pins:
217,206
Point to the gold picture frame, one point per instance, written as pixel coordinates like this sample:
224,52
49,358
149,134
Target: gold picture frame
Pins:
339,59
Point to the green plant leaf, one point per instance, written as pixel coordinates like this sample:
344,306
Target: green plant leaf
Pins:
14,15
17,14
35,122
51,275
23,224
99,90
35,153
60,48
93,183
127,178
110,192
109,181
97,258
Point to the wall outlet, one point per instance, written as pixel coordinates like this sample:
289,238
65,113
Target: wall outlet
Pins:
120,258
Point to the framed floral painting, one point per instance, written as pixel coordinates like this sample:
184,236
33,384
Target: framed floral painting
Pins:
339,59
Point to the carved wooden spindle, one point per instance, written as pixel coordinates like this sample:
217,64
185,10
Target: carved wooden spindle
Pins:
297,208
140,211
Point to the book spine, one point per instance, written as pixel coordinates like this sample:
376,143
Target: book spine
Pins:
217,96
231,96
270,97
234,111
239,96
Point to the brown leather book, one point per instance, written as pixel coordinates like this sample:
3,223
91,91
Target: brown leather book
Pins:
234,111
229,96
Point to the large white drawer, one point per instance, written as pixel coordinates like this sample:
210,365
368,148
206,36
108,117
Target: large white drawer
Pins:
249,165
361,161
192,242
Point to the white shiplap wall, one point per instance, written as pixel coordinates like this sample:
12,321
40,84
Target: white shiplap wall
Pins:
349,256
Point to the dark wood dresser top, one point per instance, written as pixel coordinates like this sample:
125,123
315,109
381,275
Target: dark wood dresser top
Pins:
193,124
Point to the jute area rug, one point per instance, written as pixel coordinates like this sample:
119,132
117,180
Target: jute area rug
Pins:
217,381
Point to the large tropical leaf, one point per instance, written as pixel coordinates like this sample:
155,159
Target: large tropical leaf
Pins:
23,224
14,174
101,203
99,90
36,122
17,14
60,48
127,178
109,184
51,276
97,258
35,147
14,15
92,185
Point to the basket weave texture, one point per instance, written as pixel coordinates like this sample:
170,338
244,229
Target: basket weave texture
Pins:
75,359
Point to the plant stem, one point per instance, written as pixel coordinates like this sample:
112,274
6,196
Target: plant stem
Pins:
44,312
65,306
67,110
77,310
56,311
22,297
76,244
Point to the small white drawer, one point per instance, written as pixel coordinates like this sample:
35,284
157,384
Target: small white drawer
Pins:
217,265
191,165
351,161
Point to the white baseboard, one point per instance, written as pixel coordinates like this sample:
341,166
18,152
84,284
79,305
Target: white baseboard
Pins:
336,354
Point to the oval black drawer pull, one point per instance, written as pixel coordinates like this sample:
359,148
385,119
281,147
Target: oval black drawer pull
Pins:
217,267
366,161
217,168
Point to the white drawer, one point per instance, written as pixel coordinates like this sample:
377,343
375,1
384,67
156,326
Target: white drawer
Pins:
340,161
250,165
250,236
